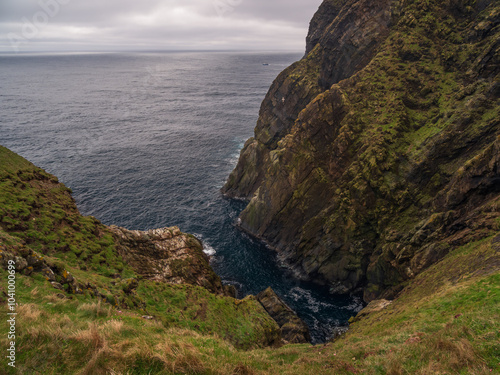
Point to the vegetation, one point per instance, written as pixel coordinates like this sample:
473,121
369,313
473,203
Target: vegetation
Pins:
364,165
41,226
446,321
391,148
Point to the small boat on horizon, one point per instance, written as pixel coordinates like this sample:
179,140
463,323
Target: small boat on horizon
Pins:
265,64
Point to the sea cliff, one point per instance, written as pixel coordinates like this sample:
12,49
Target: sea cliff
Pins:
377,153
374,167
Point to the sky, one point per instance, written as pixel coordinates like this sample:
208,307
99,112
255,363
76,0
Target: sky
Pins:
118,25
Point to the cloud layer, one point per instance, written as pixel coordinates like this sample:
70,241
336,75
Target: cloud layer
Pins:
55,25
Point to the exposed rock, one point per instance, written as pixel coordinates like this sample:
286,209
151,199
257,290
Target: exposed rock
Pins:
293,329
21,264
353,31
35,260
168,255
49,274
230,290
337,332
378,153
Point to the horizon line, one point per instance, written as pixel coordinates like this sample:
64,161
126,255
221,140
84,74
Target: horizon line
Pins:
146,51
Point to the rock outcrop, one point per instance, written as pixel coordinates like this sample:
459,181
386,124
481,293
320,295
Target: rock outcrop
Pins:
293,329
377,153
161,274
167,255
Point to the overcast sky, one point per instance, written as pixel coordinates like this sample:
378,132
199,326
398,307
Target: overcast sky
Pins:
97,25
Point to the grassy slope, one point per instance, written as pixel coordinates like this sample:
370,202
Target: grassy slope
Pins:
446,321
38,214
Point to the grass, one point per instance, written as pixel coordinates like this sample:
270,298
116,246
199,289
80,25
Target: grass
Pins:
38,214
443,325
41,214
447,320
439,324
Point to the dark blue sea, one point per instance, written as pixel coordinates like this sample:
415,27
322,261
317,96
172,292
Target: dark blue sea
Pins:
147,140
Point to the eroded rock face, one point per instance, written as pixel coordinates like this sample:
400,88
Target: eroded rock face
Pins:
293,329
167,255
342,38
377,154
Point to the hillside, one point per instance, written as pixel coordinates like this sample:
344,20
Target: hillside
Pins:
87,269
101,314
377,154
110,315
374,169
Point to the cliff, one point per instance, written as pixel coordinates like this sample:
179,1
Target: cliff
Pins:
167,255
377,153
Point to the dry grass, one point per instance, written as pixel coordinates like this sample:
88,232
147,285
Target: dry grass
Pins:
179,357
394,366
90,336
113,372
113,326
29,312
242,369
52,298
96,309
459,353
40,332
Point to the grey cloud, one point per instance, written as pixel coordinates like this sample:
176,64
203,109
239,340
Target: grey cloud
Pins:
158,24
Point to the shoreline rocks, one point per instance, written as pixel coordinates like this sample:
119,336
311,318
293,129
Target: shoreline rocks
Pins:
293,329
168,255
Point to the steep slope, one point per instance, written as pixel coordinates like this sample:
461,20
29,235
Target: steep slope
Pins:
447,320
121,310
87,267
377,154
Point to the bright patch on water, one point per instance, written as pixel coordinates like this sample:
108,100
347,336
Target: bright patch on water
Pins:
207,249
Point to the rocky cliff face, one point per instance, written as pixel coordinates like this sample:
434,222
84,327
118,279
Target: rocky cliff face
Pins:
167,255
377,153
293,329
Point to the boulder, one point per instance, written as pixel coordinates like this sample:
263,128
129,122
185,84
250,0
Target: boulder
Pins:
293,329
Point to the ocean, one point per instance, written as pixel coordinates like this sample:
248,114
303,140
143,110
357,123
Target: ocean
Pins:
146,140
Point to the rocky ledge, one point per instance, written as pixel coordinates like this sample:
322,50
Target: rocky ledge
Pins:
168,255
293,329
